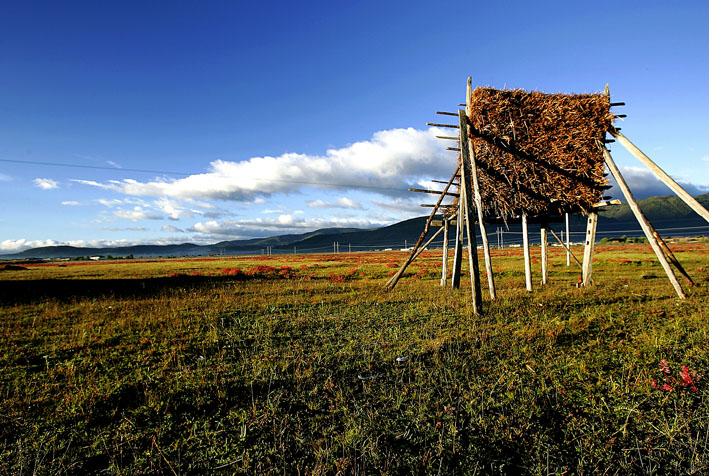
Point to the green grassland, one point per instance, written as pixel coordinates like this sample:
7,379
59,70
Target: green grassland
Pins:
305,365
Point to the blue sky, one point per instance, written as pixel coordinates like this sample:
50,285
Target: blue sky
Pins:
281,117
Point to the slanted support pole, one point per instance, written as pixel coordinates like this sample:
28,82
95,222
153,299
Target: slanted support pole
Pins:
642,220
568,250
477,196
395,279
425,245
660,174
466,207
587,266
671,256
527,257
444,263
545,257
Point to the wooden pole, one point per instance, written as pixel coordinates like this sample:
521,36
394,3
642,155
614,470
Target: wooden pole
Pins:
660,174
527,257
466,204
568,242
671,256
477,195
394,279
568,249
644,223
587,266
458,252
435,192
444,264
545,258
430,240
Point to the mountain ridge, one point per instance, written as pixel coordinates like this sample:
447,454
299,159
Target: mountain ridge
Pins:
657,209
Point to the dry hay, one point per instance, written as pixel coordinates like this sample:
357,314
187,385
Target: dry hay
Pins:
538,153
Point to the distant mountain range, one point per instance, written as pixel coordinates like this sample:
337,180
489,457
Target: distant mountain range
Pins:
666,213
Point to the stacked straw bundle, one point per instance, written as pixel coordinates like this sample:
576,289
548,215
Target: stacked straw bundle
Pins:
538,153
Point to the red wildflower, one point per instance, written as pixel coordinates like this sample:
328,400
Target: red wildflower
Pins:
686,377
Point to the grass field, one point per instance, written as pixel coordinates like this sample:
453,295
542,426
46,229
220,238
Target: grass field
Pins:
305,365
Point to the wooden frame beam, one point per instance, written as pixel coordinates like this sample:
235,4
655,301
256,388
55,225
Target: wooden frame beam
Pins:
466,205
478,197
527,257
589,244
444,263
395,279
660,174
643,221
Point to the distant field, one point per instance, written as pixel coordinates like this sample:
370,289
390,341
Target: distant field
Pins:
303,364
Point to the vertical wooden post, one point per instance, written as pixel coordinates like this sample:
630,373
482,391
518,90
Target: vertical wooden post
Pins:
466,205
644,223
587,267
568,242
527,257
545,258
476,191
458,252
444,263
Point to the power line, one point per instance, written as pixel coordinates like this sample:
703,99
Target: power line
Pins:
166,172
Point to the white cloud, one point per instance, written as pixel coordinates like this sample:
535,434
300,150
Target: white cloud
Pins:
5,178
283,224
137,213
387,163
342,202
45,183
705,158
23,244
113,164
15,246
644,184
172,229
109,203
407,207
71,203
171,208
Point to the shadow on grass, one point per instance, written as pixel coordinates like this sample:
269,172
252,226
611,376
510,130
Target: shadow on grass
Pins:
33,290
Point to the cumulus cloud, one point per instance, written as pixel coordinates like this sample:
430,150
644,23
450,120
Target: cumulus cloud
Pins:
9,246
172,209
21,244
172,229
137,213
409,207
282,224
45,183
387,163
342,202
644,184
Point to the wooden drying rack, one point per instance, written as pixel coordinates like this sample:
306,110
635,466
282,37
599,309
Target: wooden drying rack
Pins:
469,198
